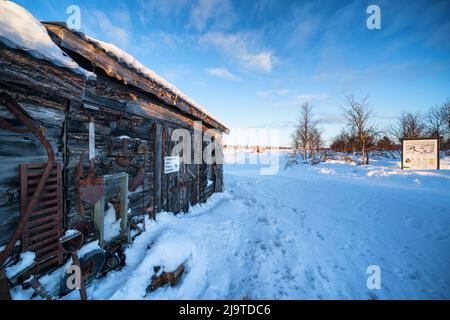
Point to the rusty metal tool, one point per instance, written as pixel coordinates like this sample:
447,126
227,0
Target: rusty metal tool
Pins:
137,181
91,188
125,160
71,244
39,289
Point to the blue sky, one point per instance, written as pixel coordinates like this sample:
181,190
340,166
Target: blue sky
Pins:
252,63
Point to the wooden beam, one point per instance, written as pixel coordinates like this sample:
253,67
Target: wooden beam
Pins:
80,44
36,81
106,93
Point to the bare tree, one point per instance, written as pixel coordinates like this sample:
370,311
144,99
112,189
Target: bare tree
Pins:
344,142
316,143
307,137
295,144
359,118
340,142
409,125
305,125
447,107
437,122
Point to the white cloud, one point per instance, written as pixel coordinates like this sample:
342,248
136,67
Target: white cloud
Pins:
103,27
204,12
164,8
277,92
201,13
310,98
321,76
222,73
330,118
262,61
296,101
238,47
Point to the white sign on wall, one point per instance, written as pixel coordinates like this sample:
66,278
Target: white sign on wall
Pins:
420,154
171,164
91,140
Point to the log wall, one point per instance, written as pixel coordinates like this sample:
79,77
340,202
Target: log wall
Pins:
61,103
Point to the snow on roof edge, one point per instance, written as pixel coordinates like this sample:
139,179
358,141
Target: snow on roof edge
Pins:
126,58
20,30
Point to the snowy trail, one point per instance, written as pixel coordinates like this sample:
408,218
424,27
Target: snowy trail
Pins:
305,233
351,219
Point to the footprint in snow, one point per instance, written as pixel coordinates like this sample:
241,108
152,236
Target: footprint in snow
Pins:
310,278
320,236
372,296
339,267
322,274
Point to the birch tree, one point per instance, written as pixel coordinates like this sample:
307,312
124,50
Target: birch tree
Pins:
359,119
306,124
307,137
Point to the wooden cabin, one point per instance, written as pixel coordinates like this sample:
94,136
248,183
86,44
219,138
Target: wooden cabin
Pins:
133,116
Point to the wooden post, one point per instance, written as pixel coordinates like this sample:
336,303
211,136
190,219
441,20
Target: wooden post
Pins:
4,287
99,217
158,157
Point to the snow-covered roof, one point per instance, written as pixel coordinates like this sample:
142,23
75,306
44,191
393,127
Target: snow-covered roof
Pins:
20,30
132,63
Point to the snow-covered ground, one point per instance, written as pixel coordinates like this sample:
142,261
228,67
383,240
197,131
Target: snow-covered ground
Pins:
309,232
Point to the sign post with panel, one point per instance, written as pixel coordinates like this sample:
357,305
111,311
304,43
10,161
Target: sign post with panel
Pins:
420,153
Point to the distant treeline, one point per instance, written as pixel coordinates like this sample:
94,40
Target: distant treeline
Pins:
361,133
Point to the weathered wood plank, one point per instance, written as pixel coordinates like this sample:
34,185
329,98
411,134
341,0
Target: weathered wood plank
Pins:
158,159
36,81
113,68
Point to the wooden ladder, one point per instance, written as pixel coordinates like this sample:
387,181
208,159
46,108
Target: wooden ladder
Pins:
44,227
